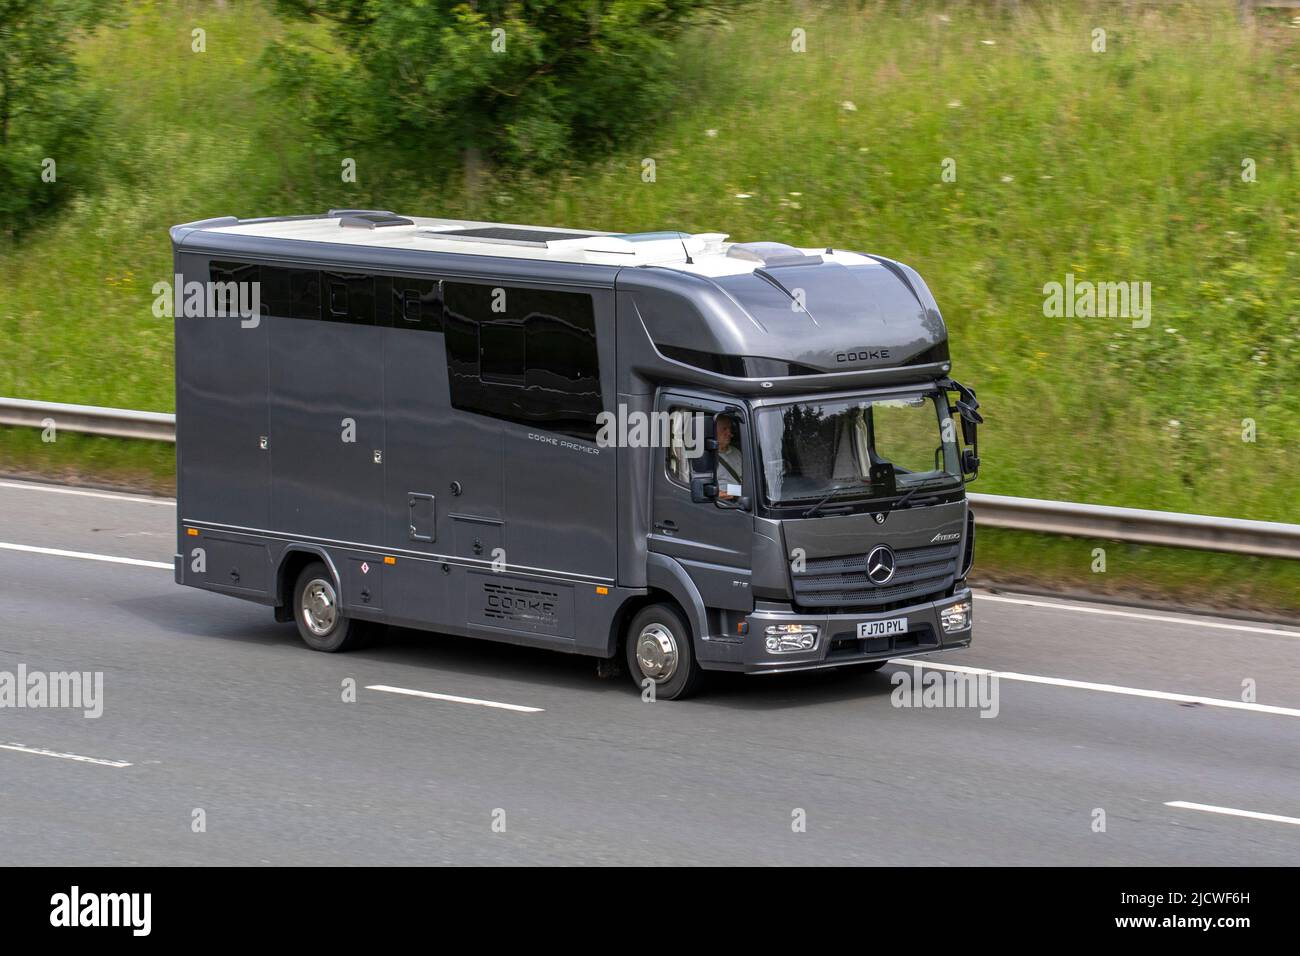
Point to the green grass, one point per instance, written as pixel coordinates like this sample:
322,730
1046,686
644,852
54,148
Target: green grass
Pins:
1115,166
89,459
1204,580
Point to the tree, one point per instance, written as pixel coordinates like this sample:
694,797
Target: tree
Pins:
44,112
519,82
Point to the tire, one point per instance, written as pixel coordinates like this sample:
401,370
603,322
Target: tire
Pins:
322,625
658,645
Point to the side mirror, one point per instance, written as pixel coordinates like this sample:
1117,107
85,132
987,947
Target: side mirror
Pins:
970,455
708,426
968,432
970,418
967,409
704,488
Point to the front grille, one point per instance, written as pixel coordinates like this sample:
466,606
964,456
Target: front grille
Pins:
841,585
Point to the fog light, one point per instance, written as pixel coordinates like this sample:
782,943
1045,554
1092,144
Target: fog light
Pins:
790,638
955,617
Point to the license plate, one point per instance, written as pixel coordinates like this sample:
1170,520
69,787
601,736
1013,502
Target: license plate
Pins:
895,625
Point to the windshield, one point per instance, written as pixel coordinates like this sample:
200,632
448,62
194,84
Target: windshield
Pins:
857,448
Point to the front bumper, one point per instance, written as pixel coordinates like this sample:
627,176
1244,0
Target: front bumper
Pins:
838,642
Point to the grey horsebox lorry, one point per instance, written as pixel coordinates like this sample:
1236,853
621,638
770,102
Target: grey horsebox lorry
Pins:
660,449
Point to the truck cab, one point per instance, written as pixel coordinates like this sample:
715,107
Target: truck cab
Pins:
810,501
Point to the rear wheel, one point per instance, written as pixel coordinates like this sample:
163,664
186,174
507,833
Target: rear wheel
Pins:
321,622
659,648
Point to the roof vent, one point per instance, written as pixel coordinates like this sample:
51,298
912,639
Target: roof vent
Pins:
369,219
508,235
641,248
771,254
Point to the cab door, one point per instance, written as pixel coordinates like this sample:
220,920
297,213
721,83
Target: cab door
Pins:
711,539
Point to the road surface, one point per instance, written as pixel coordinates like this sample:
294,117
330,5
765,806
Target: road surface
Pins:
213,714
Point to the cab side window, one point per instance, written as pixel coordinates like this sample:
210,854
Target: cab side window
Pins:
730,457
684,438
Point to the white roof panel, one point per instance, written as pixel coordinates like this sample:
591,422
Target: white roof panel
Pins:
701,253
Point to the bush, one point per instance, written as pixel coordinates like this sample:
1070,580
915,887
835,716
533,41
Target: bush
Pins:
523,84
45,114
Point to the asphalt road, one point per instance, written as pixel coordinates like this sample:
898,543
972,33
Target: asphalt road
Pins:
213,707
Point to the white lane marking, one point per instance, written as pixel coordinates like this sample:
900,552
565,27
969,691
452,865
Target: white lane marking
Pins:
40,752
85,555
1112,612
1103,688
87,493
453,699
1231,812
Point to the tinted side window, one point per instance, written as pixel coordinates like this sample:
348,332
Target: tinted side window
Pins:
233,271
304,294
233,284
399,301
501,350
276,297
290,293
526,355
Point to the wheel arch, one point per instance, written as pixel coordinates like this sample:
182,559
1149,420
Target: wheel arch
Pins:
668,584
292,560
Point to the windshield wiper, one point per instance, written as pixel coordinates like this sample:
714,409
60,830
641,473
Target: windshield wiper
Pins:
827,497
907,495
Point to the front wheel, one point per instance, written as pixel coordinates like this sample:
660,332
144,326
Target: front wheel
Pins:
659,649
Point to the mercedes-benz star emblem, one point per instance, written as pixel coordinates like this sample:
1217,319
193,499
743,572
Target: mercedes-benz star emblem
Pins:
880,564
880,517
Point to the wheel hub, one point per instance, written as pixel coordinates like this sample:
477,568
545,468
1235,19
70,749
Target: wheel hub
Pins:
319,607
656,652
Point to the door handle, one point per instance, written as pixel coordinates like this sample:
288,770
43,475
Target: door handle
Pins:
667,527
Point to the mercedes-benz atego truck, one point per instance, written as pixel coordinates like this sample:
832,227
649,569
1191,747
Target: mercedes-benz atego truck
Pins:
663,450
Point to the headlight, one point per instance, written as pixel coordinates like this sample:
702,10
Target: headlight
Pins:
790,638
955,617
